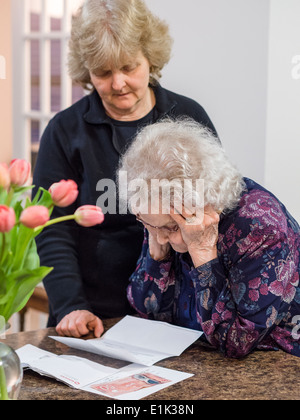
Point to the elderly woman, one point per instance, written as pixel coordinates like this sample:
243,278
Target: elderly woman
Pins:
226,259
117,50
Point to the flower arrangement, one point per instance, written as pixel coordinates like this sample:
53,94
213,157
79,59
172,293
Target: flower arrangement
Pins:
21,220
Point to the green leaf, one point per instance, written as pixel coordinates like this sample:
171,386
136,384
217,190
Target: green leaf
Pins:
5,250
3,288
3,195
37,196
28,283
2,283
22,189
18,209
32,259
18,191
43,198
20,244
24,283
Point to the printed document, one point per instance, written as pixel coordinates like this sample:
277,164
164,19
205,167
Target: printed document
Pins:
72,370
138,340
132,382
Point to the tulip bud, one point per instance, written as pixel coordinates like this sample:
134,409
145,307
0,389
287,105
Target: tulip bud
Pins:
7,218
34,216
89,216
4,176
19,170
64,193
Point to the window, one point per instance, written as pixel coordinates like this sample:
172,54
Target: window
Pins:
42,86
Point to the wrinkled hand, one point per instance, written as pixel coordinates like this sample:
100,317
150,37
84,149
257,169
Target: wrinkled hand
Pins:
199,234
157,252
79,323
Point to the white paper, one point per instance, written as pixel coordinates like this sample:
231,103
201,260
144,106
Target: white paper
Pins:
74,371
132,382
149,380
29,353
138,340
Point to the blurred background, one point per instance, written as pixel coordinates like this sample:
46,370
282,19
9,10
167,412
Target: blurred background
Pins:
240,59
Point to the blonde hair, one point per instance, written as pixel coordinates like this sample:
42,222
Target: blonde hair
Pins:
180,150
108,32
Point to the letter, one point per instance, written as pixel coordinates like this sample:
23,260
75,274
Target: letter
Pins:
117,410
168,409
123,180
109,410
107,201
136,411
296,69
194,199
128,411
161,195
189,410
155,196
139,202
2,67
153,409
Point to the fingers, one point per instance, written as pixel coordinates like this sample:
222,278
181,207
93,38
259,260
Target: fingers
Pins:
203,217
184,218
177,216
96,326
79,323
72,325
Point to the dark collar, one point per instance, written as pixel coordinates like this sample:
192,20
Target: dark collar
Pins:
96,112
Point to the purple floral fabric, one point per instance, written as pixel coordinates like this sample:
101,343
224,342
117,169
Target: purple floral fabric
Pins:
248,297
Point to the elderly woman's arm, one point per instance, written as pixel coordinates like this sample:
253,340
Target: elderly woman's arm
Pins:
244,297
247,296
152,285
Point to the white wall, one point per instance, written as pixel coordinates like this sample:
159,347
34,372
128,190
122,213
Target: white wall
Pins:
282,170
220,59
228,55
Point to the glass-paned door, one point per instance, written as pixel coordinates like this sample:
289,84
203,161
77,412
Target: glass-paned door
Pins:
46,86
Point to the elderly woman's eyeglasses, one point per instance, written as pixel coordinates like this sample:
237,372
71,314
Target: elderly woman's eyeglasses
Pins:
167,228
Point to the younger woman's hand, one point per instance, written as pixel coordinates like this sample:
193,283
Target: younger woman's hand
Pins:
79,323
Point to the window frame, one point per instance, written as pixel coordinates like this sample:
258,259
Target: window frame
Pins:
23,115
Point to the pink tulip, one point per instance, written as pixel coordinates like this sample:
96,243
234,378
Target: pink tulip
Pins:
89,216
19,171
64,193
7,218
4,176
34,216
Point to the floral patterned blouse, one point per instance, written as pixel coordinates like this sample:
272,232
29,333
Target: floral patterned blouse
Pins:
248,297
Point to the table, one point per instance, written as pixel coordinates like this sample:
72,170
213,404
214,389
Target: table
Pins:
260,376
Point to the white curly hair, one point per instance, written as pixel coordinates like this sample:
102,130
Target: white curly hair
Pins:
178,150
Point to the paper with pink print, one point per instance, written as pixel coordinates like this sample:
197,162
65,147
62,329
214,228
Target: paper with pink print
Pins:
131,382
135,382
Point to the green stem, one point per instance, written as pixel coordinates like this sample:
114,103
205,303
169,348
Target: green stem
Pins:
3,389
10,196
53,221
3,248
